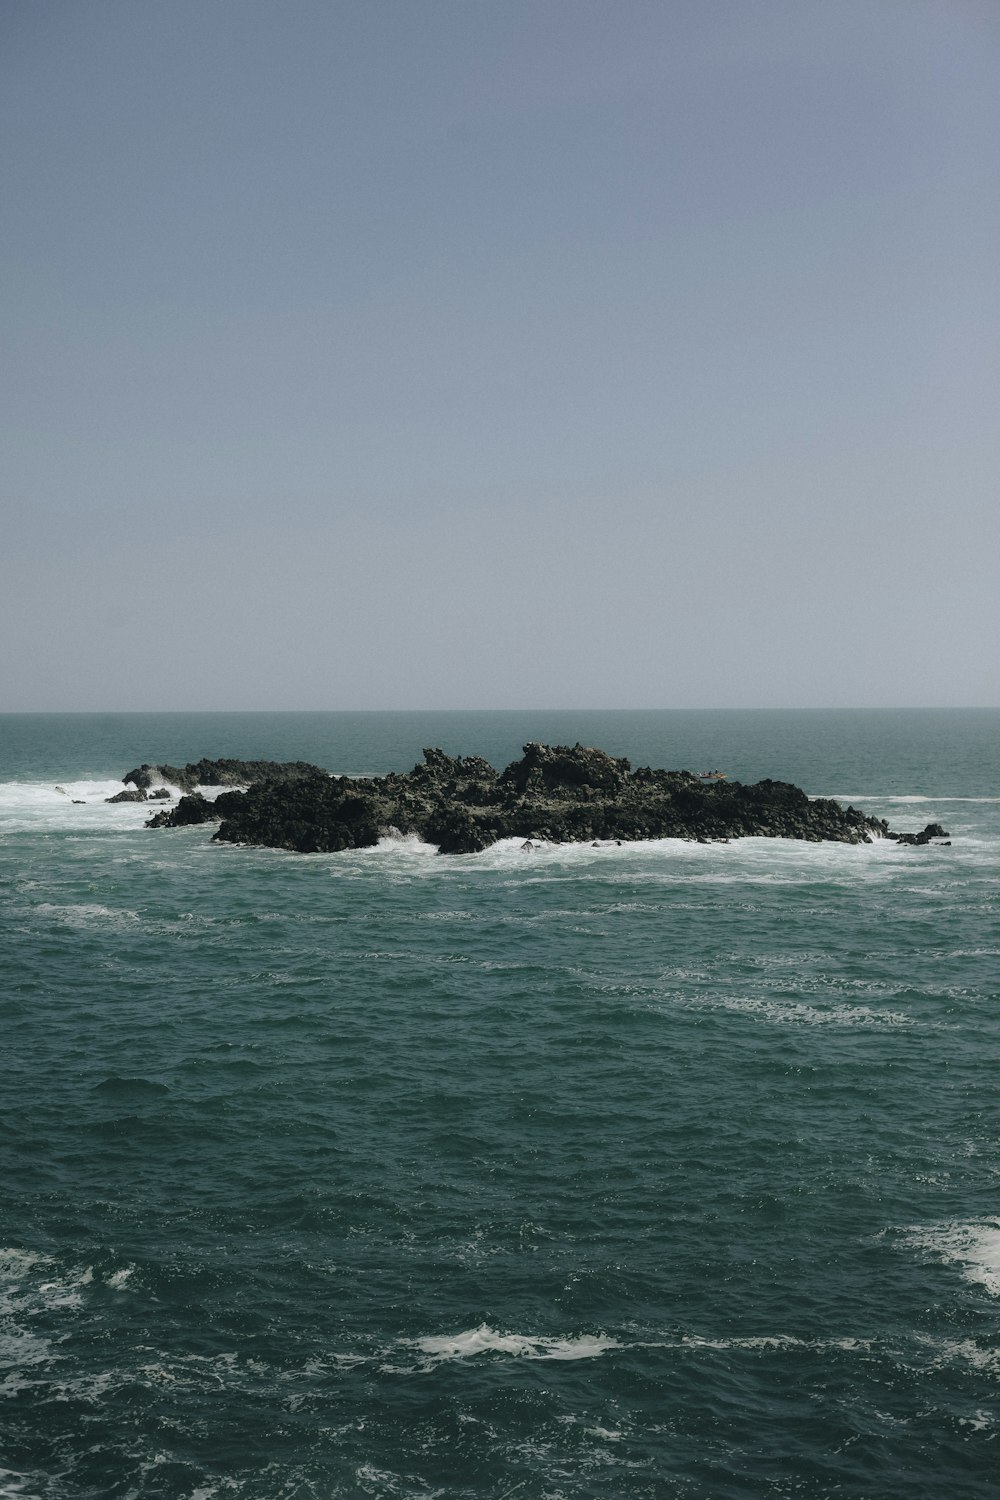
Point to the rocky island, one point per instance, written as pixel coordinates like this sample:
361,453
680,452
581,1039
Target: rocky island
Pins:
554,793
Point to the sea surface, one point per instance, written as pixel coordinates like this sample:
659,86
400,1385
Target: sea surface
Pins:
645,1171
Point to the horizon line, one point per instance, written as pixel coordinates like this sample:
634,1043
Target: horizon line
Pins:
710,708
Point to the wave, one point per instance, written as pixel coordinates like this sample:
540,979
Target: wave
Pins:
974,1246
863,797
519,854
79,805
798,1012
485,1340
15,1486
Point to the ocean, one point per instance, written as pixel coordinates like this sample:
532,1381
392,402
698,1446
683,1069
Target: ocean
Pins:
645,1171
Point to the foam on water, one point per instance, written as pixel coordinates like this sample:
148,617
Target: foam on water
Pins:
798,1012
81,804
946,1352
14,1486
15,1264
736,859
402,844
86,914
904,798
486,1340
20,1347
975,1247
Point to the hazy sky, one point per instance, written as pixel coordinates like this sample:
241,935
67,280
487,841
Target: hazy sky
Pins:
499,353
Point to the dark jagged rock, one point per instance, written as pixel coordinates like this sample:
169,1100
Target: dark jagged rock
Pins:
555,793
193,808
132,795
546,768
146,776
217,773
932,831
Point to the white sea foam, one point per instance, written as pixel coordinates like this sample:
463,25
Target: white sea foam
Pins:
69,805
87,914
863,797
16,1264
403,843
945,1351
62,1292
755,1343
20,1347
798,1012
486,1340
974,1246
14,1486
721,861
33,1285
81,805
980,1421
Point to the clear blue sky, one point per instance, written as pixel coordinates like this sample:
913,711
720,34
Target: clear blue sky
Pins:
499,353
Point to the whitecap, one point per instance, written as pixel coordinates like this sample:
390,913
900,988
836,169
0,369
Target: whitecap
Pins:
946,1351
799,1012
974,1246
73,806
856,797
394,842
20,1348
487,1340
757,1343
16,1263
21,1486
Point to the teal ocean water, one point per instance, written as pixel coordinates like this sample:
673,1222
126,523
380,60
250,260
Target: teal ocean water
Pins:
660,1170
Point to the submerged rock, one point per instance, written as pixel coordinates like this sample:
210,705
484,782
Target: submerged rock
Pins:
557,793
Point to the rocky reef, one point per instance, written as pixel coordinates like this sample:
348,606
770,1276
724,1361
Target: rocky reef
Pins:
557,794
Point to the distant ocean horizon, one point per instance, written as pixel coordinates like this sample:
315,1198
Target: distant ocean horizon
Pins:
656,1170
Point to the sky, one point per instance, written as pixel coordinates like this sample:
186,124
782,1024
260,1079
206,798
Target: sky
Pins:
499,354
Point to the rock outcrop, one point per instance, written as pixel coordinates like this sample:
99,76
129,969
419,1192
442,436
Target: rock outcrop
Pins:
215,773
926,835
556,794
